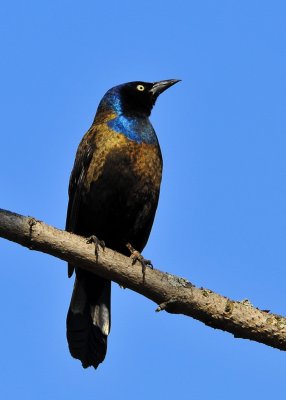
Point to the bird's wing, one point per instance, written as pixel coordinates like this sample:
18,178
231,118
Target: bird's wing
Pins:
83,157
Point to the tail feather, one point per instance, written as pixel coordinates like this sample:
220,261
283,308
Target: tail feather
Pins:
88,319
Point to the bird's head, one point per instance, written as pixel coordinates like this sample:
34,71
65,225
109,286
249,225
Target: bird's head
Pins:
134,97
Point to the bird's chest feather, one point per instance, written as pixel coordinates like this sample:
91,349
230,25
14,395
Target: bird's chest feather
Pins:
121,191
124,170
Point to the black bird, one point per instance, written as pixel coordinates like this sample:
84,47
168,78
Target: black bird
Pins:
113,194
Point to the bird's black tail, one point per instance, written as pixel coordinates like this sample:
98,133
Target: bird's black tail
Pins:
88,319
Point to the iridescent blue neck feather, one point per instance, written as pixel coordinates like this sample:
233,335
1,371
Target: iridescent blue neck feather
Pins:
135,127
111,101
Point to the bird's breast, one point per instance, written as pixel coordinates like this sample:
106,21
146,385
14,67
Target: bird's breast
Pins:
121,162
121,190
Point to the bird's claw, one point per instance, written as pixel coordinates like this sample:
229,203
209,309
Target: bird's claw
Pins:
97,243
137,256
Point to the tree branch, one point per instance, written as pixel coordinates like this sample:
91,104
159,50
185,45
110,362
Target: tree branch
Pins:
171,293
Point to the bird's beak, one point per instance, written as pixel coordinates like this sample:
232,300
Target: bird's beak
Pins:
161,86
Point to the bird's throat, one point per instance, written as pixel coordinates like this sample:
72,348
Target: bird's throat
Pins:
137,129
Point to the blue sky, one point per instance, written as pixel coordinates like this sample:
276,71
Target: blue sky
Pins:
221,217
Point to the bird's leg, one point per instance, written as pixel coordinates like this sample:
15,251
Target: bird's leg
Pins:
137,256
97,243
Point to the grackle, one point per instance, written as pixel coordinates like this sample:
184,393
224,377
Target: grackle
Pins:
113,195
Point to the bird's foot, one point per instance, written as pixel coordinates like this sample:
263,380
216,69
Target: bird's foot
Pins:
137,256
97,243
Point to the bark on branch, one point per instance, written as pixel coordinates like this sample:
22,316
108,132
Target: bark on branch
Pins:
172,294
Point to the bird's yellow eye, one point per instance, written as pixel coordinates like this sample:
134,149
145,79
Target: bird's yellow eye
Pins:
140,88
